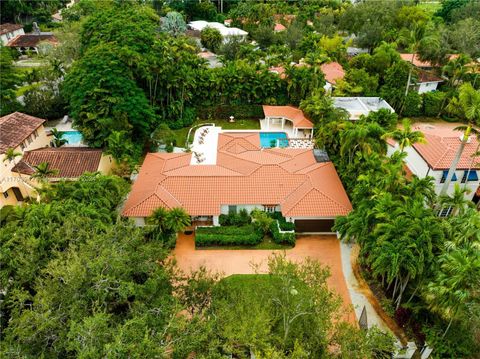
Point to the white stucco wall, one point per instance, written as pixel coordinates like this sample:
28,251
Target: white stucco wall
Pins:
5,38
427,87
139,221
420,168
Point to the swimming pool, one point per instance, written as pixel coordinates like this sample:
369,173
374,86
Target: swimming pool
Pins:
273,139
73,137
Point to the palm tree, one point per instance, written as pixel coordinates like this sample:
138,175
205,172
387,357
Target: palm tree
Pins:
58,140
43,171
166,221
457,200
177,219
468,104
10,155
405,136
452,290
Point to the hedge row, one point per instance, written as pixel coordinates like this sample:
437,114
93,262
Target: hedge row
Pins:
235,219
225,111
282,238
227,236
428,104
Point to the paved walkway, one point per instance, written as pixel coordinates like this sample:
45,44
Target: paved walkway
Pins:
324,248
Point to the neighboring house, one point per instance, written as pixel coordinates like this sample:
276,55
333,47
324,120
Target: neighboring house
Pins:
426,65
21,133
333,72
279,27
31,42
9,31
226,32
211,58
427,82
358,106
435,157
68,162
354,51
300,183
26,135
288,119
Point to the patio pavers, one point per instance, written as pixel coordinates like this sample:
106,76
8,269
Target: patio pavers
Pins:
324,248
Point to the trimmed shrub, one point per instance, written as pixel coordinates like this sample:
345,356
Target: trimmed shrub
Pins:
227,236
225,111
432,103
241,218
282,238
413,104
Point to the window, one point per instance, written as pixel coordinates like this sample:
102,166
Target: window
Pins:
5,194
269,208
22,146
472,176
446,211
35,134
444,177
232,209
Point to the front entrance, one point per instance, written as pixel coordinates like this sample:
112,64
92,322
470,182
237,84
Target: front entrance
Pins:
314,225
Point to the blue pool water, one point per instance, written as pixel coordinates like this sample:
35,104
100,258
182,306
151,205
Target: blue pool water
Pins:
73,137
273,139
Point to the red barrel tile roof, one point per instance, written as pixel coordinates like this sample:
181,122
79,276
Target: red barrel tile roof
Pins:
70,162
292,113
291,178
15,128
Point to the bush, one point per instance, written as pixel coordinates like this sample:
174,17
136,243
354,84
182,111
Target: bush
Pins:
186,120
413,105
225,111
227,236
282,222
281,238
234,219
211,38
432,103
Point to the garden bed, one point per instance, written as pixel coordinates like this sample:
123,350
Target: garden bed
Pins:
227,236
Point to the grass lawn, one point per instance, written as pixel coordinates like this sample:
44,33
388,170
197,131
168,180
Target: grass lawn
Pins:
246,124
267,243
430,7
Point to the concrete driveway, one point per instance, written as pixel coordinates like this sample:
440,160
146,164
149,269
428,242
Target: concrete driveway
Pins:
324,248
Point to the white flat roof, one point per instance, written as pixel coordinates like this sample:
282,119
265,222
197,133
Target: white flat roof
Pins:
199,25
361,105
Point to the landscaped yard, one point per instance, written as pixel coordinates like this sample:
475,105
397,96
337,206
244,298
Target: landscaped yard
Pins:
245,124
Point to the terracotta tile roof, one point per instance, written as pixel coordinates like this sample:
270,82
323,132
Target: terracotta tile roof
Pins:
333,71
70,162
292,113
419,63
279,27
290,178
15,128
8,27
442,143
426,76
31,40
280,70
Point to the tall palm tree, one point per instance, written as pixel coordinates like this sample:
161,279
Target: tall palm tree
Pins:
43,171
457,200
10,155
58,140
405,136
415,37
468,105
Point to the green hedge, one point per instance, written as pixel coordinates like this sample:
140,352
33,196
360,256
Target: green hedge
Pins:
225,111
282,238
227,236
241,218
432,103
284,225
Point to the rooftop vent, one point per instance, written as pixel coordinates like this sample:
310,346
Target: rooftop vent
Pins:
320,155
